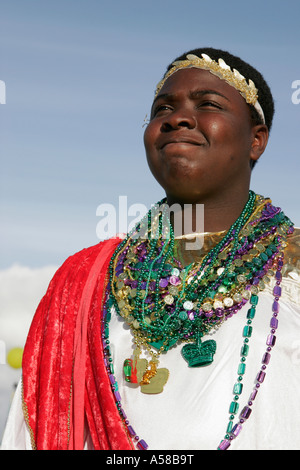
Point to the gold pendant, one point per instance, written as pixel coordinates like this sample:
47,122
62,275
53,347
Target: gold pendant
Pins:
146,374
156,382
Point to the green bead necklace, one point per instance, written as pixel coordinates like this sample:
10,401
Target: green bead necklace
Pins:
166,303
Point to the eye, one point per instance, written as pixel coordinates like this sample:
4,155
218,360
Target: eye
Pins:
209,104
161,109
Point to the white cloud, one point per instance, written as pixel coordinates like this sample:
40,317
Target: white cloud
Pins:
21,289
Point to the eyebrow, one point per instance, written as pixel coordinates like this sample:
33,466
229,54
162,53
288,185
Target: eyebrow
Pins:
193,95
197,93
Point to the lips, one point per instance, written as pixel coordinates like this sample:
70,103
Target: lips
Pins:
180,140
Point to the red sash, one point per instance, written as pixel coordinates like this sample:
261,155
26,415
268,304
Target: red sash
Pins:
64,376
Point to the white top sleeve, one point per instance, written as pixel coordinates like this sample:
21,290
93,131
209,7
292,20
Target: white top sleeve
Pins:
16,435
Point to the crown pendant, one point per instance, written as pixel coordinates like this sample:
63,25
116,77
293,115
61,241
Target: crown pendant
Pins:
199,354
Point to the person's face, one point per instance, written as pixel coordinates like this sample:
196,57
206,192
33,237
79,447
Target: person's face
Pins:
200,139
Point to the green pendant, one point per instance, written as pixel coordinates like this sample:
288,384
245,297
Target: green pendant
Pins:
160,344
199,354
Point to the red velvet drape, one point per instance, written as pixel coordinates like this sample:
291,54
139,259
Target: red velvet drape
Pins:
64,376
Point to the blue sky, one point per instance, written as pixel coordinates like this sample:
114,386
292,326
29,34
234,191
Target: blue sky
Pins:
80,77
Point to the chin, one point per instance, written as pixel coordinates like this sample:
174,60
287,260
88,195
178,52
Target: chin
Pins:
183,196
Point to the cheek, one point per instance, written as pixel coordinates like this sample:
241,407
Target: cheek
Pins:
150,136
221,132
232,137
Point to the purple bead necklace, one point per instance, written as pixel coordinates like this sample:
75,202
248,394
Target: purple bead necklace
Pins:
233,430
108,361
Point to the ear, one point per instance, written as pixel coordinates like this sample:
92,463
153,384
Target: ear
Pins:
260,136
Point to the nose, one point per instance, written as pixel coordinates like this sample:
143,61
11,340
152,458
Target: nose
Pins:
177,119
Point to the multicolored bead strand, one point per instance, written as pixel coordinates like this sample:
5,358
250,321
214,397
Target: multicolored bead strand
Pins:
108,361
234,430
165,303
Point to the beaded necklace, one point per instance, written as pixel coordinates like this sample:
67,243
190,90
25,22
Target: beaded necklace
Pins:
207,293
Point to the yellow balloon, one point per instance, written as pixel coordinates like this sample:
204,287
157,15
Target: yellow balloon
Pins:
14,358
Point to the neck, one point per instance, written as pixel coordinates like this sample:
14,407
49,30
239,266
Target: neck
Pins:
207,214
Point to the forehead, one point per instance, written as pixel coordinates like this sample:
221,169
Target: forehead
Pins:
193,79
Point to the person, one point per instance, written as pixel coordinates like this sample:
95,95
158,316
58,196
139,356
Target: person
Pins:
153,341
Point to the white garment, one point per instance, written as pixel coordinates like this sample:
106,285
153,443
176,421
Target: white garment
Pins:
193,410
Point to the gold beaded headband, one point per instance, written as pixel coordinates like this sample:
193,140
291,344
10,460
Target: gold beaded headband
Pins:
221,70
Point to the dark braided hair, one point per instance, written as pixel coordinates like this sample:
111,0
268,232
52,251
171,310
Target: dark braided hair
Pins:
265,97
